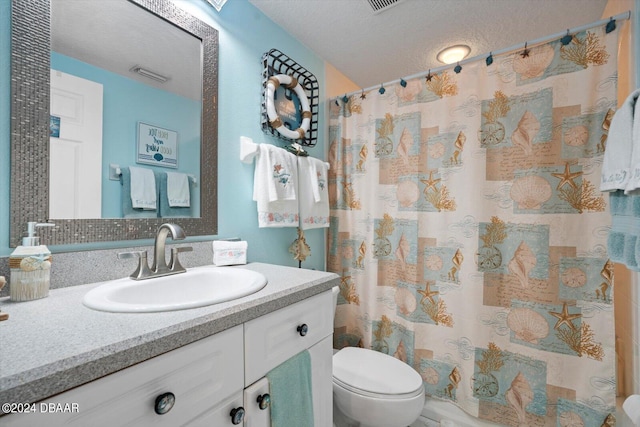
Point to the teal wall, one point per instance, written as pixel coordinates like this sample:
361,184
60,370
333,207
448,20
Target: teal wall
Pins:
245,35
125,103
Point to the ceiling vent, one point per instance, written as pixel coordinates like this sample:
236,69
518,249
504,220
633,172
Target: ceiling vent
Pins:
379,6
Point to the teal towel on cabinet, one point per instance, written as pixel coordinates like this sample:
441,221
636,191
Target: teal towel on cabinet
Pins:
128,211
167,211
290,390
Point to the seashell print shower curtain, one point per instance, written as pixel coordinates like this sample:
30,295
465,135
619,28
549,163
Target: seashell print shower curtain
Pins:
470,236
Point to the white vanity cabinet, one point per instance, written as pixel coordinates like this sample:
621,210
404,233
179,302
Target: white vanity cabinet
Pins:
197,375
206,380
273,338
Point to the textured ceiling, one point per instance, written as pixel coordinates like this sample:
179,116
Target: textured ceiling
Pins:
404,39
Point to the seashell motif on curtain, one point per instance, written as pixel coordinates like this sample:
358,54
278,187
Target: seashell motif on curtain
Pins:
570,419
405,301
573,277
401,352
405,144
454,380
434,262
519,395
408,93
436,150
523,261
535,63
530,192
526,131
402,252
407,193
431,376
362,155
576,136
362,253
527,324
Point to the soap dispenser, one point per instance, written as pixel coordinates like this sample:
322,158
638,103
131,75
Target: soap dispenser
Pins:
30,267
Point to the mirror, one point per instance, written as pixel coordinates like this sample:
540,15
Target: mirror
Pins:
30,148
126,90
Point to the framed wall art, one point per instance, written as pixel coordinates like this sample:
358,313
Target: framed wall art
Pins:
157,146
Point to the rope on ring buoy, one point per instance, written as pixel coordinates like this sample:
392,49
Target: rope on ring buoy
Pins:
275,122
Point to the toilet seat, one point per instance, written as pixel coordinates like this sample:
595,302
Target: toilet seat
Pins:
374,374
365,393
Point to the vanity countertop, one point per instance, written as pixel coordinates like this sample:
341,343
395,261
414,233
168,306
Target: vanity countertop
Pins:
56,343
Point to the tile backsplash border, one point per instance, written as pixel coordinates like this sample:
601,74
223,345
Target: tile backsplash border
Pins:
81,268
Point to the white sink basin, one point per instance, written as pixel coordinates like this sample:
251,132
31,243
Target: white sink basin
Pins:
198,287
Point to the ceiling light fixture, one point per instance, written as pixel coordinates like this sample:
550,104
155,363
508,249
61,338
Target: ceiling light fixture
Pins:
149,74
453,54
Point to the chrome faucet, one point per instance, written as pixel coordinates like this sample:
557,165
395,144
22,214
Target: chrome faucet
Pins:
159,267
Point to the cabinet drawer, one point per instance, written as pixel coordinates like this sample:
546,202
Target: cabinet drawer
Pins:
199,375
273,338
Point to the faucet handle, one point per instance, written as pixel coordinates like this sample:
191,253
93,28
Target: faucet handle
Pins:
132,254
143,271
174,262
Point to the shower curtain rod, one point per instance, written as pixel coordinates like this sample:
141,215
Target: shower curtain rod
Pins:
528,44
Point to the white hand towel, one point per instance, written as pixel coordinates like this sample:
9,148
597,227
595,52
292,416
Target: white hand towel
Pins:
178,190
278,213
633,186
284,174
313,193
143,188
617,162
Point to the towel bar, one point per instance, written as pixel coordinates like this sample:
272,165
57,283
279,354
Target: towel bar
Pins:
115,172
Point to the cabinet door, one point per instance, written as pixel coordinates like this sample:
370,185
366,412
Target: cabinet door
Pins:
322,378
321,390
275,337
220,414
257,415
199,375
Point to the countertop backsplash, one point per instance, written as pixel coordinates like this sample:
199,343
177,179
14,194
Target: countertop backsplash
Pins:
80,268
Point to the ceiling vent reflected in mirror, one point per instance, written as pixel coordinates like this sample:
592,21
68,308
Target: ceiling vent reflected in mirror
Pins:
379,6
149,74
217,4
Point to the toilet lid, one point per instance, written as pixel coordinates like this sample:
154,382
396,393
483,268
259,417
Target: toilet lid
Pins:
374,372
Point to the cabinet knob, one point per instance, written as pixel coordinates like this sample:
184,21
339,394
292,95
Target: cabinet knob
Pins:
303,329
164,403
264,400
237,414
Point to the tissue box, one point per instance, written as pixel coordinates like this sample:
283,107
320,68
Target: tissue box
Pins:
229,253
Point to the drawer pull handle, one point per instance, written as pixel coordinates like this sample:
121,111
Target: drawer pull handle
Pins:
303,329
164,403
264,400
237,414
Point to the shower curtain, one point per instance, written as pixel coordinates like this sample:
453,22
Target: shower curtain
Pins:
470,236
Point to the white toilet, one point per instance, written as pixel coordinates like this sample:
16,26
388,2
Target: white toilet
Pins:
375,389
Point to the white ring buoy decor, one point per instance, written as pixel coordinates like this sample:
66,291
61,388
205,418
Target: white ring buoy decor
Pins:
275,122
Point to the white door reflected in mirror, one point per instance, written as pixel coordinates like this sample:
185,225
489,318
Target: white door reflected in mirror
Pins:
75,167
